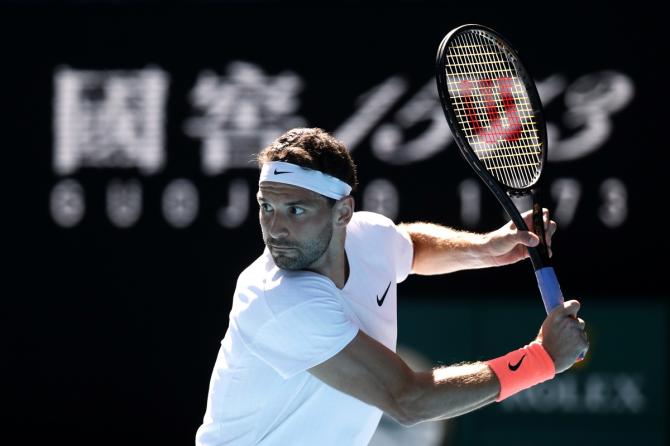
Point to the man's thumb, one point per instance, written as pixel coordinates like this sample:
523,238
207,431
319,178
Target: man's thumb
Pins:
529,239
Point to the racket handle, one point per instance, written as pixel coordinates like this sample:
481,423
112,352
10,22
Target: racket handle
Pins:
550,290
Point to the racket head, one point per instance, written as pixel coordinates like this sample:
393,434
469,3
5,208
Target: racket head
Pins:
492,107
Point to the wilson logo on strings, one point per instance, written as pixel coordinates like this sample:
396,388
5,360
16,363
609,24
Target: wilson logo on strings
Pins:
482,101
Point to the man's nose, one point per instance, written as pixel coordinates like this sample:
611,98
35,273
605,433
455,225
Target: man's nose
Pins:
277,228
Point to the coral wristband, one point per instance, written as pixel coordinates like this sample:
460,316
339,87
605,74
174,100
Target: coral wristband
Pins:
521,369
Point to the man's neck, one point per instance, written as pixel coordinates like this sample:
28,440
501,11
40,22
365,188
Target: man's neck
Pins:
334,264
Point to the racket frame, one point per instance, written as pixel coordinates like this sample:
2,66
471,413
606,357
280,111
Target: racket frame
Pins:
501,191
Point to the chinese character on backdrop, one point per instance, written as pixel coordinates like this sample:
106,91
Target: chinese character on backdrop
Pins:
109,119
240,113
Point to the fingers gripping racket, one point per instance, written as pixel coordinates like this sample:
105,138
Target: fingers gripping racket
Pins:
495,115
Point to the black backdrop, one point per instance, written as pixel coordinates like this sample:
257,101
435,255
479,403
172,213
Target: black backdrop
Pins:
112,331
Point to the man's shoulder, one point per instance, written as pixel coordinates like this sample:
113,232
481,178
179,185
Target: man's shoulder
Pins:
369,220
369,227
377,241
256,271
264,275
264,291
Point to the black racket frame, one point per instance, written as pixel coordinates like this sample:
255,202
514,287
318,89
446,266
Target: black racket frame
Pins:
539,255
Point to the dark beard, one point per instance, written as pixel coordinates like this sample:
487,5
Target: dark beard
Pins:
304,254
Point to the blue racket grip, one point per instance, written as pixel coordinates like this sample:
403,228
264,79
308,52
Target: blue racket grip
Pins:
550,290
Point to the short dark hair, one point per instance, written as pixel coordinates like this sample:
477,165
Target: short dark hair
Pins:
312,148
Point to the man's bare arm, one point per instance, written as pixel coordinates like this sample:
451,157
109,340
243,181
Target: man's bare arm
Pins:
439,249
370,372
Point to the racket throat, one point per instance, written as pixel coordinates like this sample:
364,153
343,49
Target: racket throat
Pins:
538,227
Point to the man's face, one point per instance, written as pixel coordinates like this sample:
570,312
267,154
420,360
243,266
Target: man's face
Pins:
296,224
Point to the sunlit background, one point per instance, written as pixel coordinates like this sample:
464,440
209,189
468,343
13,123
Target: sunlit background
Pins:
135,126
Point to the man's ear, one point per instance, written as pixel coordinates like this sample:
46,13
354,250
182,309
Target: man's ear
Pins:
343,210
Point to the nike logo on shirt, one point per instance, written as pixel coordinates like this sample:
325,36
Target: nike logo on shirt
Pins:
381,301
279,172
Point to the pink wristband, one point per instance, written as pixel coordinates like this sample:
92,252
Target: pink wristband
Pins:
521,369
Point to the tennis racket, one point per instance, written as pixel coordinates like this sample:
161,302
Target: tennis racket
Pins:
495,115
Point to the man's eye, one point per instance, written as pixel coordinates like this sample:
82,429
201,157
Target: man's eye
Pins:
266,207
296,210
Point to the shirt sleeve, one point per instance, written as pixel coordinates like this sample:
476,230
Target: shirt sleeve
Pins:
303,336
404,253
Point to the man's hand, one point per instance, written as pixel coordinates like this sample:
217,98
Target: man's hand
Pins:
562,335
507,245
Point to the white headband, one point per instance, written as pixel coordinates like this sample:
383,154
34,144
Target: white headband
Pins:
314,180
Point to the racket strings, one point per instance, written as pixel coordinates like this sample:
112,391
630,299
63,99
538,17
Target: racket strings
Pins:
493,161
495,66
522,173
519,156
473,109
493,108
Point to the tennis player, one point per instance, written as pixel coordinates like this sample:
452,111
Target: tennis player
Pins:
309,355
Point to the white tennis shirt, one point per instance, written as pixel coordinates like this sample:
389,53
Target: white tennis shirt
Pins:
284,322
